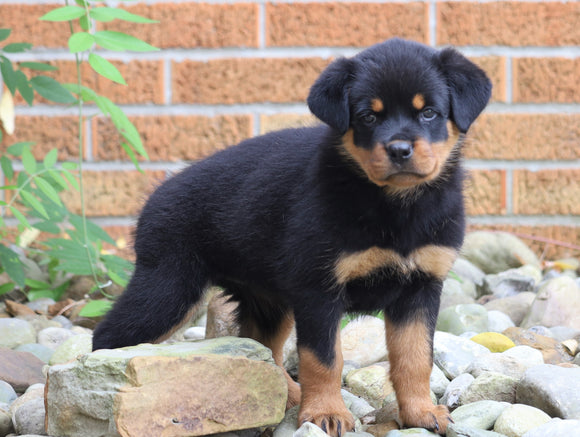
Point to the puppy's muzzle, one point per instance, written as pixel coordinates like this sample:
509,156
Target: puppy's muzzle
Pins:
399,152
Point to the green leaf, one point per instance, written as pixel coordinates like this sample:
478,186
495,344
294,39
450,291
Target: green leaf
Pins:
24,87
20,217
7,168
47,189
96,308
4,33
105,14
50,89
47,226
66,13
9,286
85,23
28,161
131,154
34,203
58,178
94,231
72,256
17,47
50,158
105,68
37,66
71,179
16,149
120,41
34,283
12,265
80,41
8,75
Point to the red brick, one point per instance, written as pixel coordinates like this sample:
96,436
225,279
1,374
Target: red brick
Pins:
186,25
544,80
554,191
486,192
26,26
525,137
270,123
495,67
48,133
549,241
173,138
508,23
229,81
113,193
344,24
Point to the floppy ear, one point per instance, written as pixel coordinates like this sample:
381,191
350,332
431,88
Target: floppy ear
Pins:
469,87
328,98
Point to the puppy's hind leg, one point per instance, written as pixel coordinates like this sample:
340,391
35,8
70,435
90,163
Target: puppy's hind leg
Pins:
157,299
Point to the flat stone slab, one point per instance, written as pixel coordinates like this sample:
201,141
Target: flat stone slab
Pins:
182,389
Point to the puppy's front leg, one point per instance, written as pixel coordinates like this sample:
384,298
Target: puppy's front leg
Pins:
410,346
320,373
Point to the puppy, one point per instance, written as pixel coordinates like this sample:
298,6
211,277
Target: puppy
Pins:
362,213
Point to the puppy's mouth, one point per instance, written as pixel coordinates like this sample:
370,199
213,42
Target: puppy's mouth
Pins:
405,178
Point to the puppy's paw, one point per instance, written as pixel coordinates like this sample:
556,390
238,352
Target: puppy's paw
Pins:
294,394
333,423
433,417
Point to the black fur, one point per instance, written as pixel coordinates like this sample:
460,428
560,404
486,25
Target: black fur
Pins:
268,218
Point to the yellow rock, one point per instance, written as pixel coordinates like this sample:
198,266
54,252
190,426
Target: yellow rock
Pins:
494,341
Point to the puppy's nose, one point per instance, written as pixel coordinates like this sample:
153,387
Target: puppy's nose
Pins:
399,151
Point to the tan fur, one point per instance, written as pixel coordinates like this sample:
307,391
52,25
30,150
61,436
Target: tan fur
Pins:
418,101
431,259
377,105
411,363
321,398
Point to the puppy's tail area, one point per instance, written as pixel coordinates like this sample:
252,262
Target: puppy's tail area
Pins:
157,299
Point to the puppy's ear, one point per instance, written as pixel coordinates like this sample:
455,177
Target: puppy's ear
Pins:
328,98
469,87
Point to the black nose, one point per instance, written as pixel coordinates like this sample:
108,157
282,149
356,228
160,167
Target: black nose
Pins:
399,151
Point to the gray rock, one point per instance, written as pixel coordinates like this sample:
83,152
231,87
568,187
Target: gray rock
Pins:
516,307
41,305
194,333
5,422
73,347
555,428
53,337
562,333
357,406
541,330
458,430
557,303
454,354
526,355
288,426
454,293
212,385
63,322
29,418
481,414
553,389
455,389
411,432
499,363
498,321
490,386
41,352
363,341
511,282
7,393
494,252
438,381
14,332
371,383
466,270
35,391
461,318
518,419
309,430
20,369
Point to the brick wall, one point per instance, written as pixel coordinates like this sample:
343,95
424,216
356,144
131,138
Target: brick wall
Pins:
232,69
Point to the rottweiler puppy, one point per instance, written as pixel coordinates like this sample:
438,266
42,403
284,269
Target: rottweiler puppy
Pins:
362,213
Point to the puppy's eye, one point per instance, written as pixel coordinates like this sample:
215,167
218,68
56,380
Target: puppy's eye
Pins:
369,119
428,114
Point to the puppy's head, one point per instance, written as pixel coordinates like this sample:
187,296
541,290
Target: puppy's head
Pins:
401,108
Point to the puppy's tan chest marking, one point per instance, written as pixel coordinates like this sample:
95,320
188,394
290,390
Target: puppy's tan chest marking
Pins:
431,259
